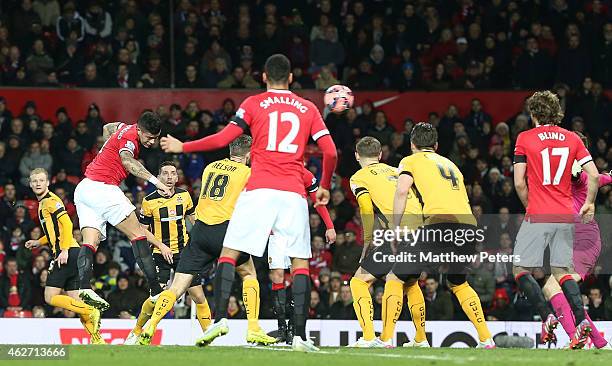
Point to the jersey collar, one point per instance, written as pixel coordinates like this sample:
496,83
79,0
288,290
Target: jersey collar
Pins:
279,91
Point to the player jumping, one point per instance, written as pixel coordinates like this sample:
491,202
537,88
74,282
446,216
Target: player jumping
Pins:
439,185
278,262
222,181
99,200
587,246
165,216
274,201
546,192
63,272
373,185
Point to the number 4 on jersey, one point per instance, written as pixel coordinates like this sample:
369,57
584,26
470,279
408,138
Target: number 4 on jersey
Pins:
286,145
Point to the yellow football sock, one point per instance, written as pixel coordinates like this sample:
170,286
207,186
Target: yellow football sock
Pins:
88,325
391,308
163,305
67,302
362,302
145,314
470,303
416,304
250,297
203,314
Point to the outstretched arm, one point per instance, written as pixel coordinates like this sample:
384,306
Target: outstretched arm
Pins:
213,142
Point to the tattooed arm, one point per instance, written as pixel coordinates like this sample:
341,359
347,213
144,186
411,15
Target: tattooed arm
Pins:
136,168
109,129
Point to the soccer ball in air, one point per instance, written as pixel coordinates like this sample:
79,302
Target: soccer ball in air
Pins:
338,98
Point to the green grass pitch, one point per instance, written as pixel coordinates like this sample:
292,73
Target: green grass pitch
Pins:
272,356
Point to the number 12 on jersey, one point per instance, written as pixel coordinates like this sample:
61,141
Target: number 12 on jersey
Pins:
563,152
286,145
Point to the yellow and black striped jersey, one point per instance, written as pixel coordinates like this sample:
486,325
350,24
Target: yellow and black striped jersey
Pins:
50,210
166,217
222,182
379,182
439,186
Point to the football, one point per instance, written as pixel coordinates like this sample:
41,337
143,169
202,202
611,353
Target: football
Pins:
338,98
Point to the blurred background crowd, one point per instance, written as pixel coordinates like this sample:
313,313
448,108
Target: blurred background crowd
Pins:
371,44
365,44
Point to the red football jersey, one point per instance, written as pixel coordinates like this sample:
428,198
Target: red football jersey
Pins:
106,166
549,152
280,123
310,182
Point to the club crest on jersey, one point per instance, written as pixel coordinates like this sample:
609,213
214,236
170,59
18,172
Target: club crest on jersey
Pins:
179,199
130,146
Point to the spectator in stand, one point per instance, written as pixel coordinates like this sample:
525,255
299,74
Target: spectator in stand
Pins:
596,305
346,254
482,281
327,51
343,309
97,21
501,309
574,63
15,290
381,130
33,159
533,67
125,298
191,79
94,120
61,181
344,210
317,309
215,75
238,80
39,63
70,157
438,303
91,78
83,136
321,257
155,75
325,79
176,124
70,26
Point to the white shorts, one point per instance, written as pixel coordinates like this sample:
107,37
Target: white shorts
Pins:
98,203
261,211
277,259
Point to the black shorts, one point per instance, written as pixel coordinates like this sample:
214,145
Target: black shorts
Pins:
372,262
163,269
67,276
204,248
443,246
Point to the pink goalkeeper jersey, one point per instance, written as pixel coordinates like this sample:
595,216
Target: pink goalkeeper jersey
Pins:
580,188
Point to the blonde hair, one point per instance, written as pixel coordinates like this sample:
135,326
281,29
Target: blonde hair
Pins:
39,171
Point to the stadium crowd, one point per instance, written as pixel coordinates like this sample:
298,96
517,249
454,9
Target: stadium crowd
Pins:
365,44
401,45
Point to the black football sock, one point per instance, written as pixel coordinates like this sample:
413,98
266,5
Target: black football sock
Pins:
85,265
224,280
528,285
571,290
301,300
279,300
144,258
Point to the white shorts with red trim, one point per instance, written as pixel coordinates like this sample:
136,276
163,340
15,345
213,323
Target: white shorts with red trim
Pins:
260,211
99,203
